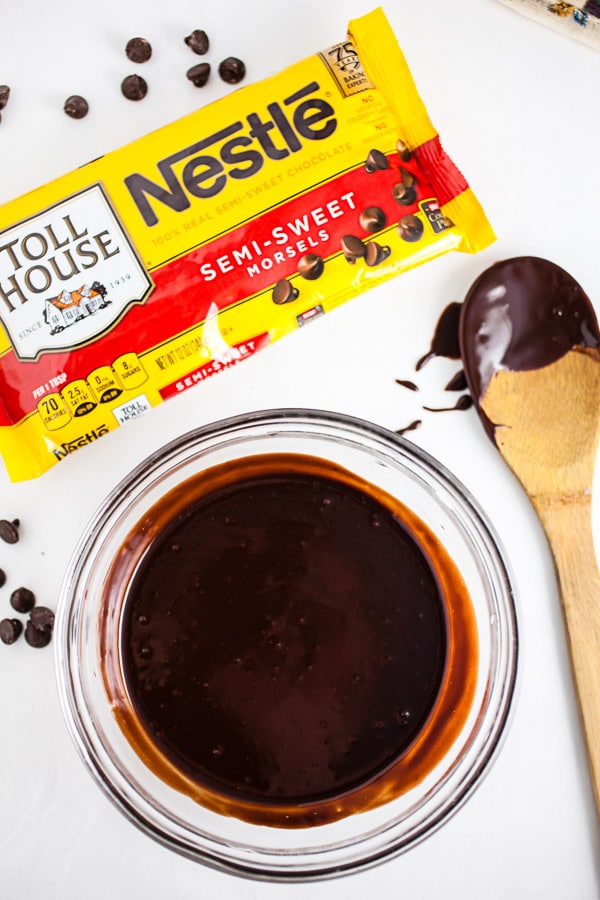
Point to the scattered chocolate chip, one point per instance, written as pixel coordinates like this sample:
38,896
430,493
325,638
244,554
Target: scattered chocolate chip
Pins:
42,618
353,248
199,74
138,50
403,151
35,637
409,385
198,41
311,266
376,161
10,629
372,219
404,195
4,95
134,87
76,107
410,228
232,70
284,292
2,577
9,531
376,254
22,599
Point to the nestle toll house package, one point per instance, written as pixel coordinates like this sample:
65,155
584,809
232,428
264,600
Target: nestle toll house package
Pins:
138,276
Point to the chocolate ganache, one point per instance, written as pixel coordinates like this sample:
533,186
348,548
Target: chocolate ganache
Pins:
284,639
522,314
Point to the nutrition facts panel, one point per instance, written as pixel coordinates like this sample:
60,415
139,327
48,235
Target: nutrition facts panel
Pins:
508,99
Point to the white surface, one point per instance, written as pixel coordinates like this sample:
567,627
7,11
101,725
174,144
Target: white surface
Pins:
516,108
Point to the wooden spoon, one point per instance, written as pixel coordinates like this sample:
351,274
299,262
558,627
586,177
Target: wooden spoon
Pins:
530,345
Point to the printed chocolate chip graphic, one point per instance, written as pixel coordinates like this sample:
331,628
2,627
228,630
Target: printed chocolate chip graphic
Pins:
353,248
22,600
4,95
404,195
76,107
403,151
232,70
35,637
372,219
10,629
376,254
408,179
311,266
376,161
138,50
199,74
9,531
198,41
134,87
2,577
284,292
410,228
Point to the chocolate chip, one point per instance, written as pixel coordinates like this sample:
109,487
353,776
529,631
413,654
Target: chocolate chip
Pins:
284,292
311,266
134,87
199,74
9,531
2,577
410,228
232,70
22,599
353,248
376,254
42,618
138,50
372,219
376,161
198,41
10,629
403,151
408,179
404,195
4,95
35,637
76,107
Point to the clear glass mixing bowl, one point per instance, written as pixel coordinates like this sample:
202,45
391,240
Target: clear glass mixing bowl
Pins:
394,465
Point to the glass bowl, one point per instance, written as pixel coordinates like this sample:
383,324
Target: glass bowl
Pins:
443,763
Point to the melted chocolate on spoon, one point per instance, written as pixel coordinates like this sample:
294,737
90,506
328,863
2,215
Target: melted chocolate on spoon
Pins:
522,314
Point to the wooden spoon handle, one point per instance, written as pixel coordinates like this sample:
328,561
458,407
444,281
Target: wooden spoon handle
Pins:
568,525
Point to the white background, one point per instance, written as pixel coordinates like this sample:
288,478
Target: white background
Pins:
516,107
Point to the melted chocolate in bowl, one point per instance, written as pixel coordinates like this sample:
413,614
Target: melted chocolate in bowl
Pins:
295,645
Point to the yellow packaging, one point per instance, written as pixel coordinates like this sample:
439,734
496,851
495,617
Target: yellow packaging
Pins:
145,272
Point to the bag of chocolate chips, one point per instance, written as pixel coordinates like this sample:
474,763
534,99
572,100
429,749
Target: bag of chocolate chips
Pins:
145,272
